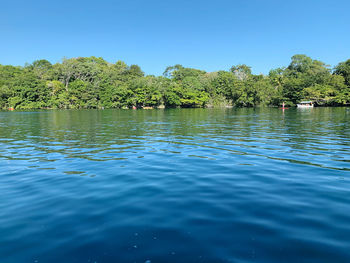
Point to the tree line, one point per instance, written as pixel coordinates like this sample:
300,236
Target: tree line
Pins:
92,82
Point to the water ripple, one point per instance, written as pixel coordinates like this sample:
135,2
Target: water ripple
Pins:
191,185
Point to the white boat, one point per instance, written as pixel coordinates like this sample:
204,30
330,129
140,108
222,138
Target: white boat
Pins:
305,104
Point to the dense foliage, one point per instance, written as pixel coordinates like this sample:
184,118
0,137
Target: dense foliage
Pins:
91,82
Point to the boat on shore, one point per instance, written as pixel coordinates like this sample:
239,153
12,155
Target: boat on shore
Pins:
305,104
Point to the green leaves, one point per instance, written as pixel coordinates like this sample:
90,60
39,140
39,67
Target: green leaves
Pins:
343,69
92,82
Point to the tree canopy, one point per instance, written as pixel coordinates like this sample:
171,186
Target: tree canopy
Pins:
92,82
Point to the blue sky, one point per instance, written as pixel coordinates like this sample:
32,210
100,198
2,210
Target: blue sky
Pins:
210,35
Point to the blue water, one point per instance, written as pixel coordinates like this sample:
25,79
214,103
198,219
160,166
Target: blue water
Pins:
187,185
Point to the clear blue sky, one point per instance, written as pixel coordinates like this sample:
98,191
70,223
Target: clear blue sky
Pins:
154,34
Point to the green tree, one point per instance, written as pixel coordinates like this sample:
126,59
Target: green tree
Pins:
242,71
343,69
42,68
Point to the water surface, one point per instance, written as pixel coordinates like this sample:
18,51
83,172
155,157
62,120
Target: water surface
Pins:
186,185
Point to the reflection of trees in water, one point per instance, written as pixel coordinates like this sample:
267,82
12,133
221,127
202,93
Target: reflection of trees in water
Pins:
109,134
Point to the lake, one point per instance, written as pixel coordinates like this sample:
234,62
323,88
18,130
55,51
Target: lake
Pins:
177,185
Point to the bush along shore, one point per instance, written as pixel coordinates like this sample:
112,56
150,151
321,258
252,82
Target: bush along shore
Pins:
92,82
